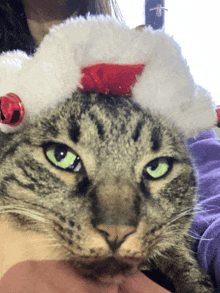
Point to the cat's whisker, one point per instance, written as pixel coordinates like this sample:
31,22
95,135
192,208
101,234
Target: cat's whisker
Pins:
18,207
23,211
198,210
49,245
201,238
43,240
180,215
57,244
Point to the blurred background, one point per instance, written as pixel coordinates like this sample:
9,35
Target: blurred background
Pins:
193,24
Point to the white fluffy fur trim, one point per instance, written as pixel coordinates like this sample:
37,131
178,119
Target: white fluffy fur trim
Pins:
54,72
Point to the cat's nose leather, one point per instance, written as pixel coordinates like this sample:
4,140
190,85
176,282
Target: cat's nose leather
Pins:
116,232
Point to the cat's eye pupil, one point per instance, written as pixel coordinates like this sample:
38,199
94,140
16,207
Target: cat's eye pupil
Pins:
60,152
153,165
158,168
62,157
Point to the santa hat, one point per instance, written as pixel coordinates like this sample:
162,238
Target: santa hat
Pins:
99,53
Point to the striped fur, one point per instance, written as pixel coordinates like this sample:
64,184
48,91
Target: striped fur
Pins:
115,139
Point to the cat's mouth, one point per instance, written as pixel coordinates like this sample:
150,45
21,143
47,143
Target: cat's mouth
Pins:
106,270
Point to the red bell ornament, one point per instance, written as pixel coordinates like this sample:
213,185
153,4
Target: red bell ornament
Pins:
11,110
218,117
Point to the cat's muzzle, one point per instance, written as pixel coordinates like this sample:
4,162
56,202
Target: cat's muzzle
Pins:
105,270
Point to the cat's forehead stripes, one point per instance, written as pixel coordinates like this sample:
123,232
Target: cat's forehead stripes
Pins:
98,124
137,131
98,119
113,118
74,132
107,128
104,113
156,138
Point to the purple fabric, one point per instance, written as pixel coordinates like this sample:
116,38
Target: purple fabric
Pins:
206,226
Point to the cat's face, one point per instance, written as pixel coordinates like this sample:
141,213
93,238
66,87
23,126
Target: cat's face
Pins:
110,182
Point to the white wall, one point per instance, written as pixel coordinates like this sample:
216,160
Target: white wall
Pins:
132,11
194,25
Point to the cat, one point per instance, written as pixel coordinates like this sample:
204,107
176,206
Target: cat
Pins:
112,182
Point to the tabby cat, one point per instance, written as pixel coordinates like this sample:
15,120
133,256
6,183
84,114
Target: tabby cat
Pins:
113,183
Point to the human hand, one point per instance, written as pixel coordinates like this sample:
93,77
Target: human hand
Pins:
24,269
50,277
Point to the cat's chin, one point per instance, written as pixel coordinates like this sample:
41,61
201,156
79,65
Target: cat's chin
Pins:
106,270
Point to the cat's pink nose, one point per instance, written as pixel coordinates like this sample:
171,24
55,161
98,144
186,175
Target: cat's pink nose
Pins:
116,232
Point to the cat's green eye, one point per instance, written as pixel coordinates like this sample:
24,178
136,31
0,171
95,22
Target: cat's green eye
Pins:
63,157
158,168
